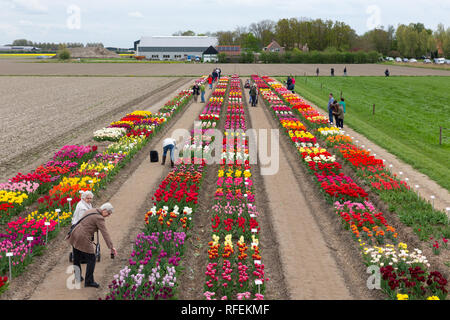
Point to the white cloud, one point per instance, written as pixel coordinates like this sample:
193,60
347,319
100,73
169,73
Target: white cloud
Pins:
10,31
33,6
135,14
25,23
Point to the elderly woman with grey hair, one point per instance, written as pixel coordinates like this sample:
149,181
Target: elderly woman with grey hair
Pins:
82,206
81,240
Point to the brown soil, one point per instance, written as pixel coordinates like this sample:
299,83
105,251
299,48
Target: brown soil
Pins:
25,67
30,139
94,52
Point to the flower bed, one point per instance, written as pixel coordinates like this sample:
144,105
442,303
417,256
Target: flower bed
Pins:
234,269
91,171
155,260
368,227
24,189
395,192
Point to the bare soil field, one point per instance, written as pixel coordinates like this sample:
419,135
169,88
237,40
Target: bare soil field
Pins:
27,67
40,115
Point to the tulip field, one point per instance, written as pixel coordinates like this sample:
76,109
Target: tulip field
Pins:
218,212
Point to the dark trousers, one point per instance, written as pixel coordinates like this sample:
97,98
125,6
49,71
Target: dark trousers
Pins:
336,121
90,259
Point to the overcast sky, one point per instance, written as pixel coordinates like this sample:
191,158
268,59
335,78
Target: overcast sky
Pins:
119,22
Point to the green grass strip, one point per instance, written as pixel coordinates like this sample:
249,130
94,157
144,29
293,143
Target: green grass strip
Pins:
408,114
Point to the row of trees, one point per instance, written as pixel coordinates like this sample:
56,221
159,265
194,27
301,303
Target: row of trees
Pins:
47,46
413,40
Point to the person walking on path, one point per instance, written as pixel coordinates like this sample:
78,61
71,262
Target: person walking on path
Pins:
386,73
169,144
254,95
210,81
342,103
317,71
202,91
330,110
293,84
332,72
196,91
345,71
81,236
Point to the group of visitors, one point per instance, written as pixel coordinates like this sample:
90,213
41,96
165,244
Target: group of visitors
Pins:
197,90
86,221
200,89
332,72
214,76
290,83
336,109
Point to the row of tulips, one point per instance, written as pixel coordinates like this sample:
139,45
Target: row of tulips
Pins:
24,189
234,269
155,260
401,198
394,190
404,274
54,208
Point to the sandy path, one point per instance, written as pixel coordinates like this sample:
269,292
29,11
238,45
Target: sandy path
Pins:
128,202
310,270
17,67
427,187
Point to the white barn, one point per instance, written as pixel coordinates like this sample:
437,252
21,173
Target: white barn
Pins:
174,47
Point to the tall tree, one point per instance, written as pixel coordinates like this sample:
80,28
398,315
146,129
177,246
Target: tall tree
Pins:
283,34
225,37
264,31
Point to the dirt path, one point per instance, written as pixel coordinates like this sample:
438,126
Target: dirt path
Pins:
310,270
131,195
427,187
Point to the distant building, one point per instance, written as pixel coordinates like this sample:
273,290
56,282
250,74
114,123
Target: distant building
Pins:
174,47
119,50
274,47
229,50
210,55
19,48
